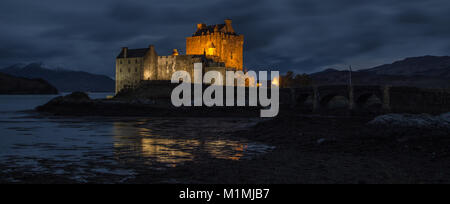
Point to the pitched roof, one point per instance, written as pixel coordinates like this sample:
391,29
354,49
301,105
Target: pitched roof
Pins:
134,53
211,28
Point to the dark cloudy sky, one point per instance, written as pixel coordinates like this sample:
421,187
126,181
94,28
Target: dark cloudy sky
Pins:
299,35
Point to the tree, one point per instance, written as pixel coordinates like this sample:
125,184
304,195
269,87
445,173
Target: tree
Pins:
302,80
287,80
291,80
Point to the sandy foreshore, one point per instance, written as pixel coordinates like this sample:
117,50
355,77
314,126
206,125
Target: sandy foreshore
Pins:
308,149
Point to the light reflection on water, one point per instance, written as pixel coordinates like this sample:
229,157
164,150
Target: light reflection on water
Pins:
80,148
196,138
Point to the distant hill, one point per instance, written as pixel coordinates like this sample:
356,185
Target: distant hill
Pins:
64,80
426,72
17,85
427,66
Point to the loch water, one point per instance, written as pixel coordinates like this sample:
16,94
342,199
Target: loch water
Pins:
83,147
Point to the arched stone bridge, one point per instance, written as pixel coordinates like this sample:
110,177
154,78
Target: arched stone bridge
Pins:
367,98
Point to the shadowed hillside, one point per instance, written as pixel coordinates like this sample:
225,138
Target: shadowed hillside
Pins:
64,80
426,72
427,66
16,85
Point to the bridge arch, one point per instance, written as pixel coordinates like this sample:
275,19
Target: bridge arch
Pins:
303,99
369,100
340,101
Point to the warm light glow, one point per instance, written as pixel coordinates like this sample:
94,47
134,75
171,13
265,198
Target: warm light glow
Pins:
165,151
211,51
175,52
147,75
276,81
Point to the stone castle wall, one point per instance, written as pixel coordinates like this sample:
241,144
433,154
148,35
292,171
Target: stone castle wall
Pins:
131,71
128,72
220,47
167,65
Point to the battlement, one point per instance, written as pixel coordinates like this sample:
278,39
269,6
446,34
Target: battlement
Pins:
203,29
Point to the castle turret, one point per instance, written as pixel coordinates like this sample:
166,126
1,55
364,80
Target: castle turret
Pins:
150,64
175,52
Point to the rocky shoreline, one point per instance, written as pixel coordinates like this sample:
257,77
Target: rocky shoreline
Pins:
79,104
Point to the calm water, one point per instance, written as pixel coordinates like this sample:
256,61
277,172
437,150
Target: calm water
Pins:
80,148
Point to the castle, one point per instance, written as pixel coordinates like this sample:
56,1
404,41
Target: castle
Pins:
218,47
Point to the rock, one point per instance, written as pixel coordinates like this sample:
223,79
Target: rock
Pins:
321,141
445,117
412,121
75,98
407,127
79,104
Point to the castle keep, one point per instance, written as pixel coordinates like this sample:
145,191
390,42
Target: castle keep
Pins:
218,47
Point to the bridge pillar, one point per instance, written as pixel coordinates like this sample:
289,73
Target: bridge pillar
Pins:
351,98
293,98
386,98
316,99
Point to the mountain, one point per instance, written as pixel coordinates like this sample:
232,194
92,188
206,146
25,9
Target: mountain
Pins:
426,72
63,80
427,66
17,85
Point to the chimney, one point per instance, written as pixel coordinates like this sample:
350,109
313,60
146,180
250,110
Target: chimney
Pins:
228,25
152,51
228,22
125,52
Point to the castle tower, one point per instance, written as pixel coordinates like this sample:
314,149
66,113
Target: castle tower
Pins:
218,42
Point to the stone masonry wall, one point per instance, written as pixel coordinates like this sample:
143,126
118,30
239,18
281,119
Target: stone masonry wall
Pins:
167,65
128,72
218,46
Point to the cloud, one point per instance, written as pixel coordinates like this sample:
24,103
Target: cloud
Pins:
299,35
